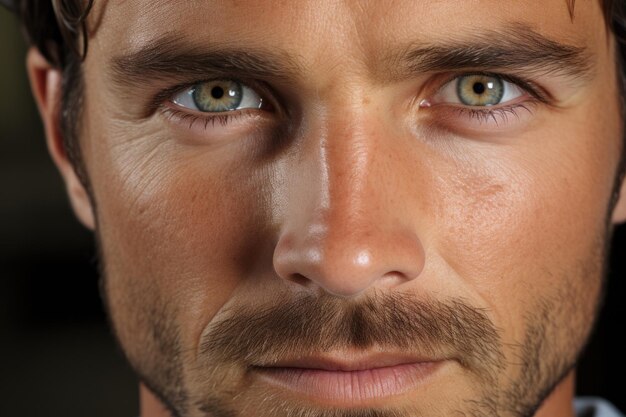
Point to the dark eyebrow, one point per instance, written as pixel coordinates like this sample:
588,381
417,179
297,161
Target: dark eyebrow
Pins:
170,56
517,48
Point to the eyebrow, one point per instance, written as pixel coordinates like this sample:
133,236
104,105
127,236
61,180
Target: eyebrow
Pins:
517,48
170,56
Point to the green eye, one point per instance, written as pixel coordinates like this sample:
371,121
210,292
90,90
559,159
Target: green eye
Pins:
479,90
217,96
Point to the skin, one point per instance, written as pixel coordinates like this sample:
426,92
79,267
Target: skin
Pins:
367,195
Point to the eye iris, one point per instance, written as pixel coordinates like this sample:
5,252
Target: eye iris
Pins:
480,90
217,96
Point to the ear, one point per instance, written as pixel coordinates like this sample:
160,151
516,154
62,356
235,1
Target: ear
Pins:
619,212
45,81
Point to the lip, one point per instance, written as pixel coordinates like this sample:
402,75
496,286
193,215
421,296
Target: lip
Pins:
349,380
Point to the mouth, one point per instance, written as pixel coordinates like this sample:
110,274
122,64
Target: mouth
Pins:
346,380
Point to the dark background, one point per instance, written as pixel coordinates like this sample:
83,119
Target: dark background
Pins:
57,357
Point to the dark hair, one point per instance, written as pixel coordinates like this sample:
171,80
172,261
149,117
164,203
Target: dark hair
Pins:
58,29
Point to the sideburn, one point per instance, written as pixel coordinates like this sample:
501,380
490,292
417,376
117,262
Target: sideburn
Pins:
70,118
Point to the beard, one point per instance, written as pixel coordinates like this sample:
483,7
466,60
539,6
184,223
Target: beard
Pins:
509,378
213,381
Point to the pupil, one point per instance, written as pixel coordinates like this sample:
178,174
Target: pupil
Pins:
479,88
217,92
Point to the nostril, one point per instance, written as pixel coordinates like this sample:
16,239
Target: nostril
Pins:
300,279
346,263
395,278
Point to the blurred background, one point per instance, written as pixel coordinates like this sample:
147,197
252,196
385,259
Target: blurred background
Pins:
57,357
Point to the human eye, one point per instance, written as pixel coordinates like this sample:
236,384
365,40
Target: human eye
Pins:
219,104
217,96
486,100
479,90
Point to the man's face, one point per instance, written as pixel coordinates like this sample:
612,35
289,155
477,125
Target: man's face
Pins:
342,208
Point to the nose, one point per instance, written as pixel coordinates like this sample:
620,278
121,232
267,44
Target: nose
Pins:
346,226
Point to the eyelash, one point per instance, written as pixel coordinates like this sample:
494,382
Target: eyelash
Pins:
163,103
482,115
487,114
537,95
183,116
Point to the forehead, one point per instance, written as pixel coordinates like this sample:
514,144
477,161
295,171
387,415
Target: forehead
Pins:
333,29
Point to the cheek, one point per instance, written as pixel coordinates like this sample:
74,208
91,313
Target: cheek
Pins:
520,223
176,225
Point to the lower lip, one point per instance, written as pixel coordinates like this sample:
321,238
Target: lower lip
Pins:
350,387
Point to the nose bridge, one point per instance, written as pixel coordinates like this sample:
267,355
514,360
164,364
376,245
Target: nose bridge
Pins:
347,160
346,237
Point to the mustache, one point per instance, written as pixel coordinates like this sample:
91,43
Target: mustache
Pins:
308,324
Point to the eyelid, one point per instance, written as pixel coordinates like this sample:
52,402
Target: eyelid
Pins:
165,95
480,121
528,86
219,123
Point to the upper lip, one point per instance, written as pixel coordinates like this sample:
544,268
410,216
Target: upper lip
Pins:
339,361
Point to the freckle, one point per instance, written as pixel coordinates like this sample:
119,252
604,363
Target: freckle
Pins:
366,101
